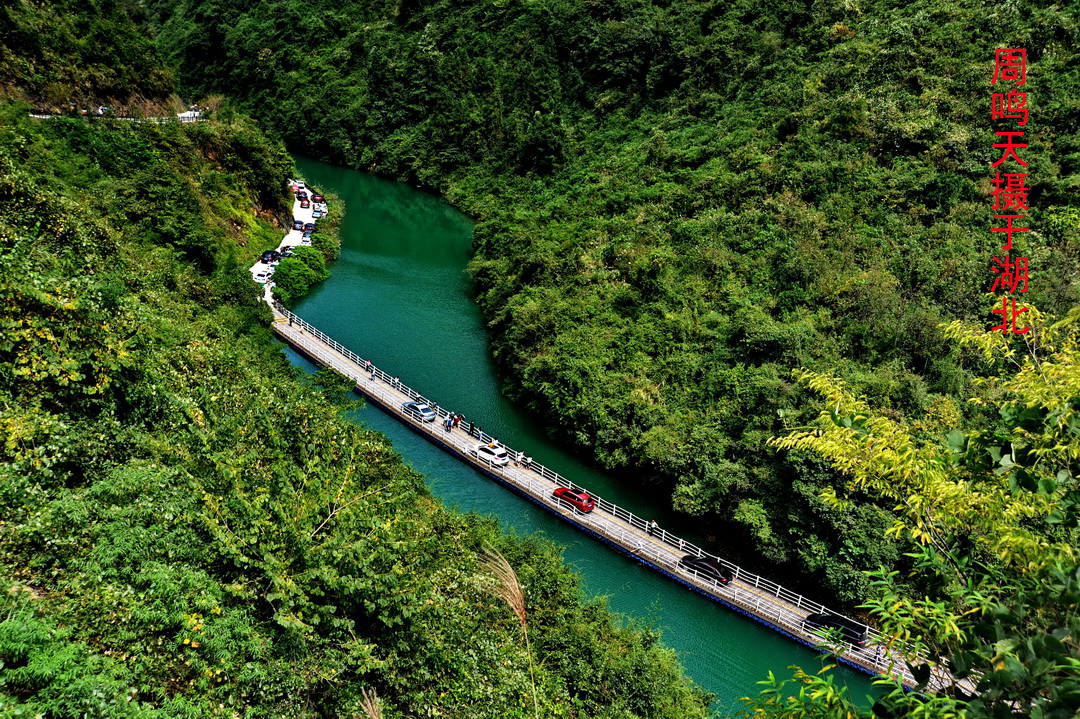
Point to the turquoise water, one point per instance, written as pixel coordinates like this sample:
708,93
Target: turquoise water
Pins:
399,296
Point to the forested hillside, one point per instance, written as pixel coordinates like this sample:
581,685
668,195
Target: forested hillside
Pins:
190,527
681,202
66,55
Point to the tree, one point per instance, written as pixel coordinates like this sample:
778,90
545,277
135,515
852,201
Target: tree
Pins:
991,516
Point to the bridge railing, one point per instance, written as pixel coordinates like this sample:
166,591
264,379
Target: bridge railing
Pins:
178,118
872,655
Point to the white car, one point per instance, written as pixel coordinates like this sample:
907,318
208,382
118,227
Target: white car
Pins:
318,207
261,278
306,241
316,214
491,454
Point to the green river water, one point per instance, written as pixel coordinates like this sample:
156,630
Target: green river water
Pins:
399,295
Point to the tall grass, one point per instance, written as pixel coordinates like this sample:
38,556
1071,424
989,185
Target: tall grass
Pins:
508,588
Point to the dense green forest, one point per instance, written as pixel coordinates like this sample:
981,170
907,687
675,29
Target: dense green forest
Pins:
680,202
191,527
66,55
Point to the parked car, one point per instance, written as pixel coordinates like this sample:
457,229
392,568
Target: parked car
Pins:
309,226
318,213
305,241
707,567
262,277
579,499
302,195
298,224
824,623
493,454
304,204
318,198
271,256
287,251
307,234
319,206
419,411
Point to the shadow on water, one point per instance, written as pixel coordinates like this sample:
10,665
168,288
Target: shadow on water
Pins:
399,295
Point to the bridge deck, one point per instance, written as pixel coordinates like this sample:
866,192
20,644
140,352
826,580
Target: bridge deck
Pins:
749,594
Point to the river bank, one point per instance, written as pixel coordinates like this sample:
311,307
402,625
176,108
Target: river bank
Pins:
399,292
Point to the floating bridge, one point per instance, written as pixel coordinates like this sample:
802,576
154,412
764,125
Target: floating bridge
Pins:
750,594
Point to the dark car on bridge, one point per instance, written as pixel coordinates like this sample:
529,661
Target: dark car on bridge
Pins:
419,411
579,499
825,623
708,568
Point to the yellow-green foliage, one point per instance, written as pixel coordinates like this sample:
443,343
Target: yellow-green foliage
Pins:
991,519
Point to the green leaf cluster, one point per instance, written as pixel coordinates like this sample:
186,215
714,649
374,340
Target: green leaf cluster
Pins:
296,275
991,521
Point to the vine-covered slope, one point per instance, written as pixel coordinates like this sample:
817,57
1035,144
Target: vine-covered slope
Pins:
679,202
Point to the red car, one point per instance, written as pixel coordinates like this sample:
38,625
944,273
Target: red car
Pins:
578,498
317,198
305,204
